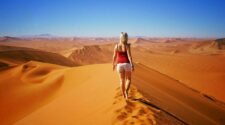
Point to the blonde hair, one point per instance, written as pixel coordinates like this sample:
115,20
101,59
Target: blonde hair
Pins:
123,37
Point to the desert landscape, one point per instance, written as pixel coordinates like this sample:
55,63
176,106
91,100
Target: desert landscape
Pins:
70,81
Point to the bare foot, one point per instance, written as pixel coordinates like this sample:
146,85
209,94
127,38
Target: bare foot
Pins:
126,96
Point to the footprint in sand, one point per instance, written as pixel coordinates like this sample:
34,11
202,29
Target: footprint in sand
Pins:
132,112
138,110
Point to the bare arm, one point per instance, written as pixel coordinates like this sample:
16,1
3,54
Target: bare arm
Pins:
114,57
129,55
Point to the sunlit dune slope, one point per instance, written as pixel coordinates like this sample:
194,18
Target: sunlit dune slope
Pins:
26,87
78,92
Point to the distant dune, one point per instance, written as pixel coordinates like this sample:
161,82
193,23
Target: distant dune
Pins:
220,43
10,55
53,44
140,41
92,54
209,47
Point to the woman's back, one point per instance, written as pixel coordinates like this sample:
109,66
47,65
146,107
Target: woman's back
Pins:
122,56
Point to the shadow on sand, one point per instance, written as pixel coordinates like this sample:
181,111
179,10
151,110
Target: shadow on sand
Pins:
148,103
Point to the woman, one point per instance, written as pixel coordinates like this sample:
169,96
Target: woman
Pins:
122,61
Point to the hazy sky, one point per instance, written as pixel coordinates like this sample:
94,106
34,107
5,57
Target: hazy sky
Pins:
154,18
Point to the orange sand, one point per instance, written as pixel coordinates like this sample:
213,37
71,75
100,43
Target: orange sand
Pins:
43,93
175,82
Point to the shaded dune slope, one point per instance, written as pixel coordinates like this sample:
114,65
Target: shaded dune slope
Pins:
203,73
174,97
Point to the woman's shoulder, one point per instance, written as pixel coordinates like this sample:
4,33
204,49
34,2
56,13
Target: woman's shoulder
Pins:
128,45
116,46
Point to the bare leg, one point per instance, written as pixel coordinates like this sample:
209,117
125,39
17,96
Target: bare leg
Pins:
122,82
128,82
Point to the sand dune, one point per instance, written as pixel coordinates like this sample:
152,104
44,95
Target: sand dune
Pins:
11,55
43,93
92,54
176,82
209,47
177,99
140,41
203,73
26,87
62,45
80,95
195,62
53,44
220,43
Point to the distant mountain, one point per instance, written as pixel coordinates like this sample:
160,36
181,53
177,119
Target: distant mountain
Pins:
27,38
9,39
44,35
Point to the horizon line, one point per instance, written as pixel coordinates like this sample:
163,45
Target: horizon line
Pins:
131,36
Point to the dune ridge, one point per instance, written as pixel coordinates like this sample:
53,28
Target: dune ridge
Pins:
139,110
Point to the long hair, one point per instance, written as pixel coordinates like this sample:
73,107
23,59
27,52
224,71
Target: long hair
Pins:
123,37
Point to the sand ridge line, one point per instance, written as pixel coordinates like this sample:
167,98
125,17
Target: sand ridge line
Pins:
131,111
139,110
